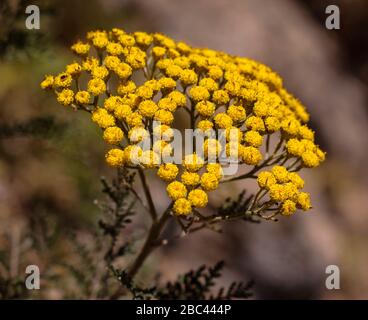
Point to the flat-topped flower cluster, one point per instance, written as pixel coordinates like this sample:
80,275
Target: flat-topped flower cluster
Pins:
128,81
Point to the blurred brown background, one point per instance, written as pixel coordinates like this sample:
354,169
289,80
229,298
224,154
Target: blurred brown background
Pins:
54,171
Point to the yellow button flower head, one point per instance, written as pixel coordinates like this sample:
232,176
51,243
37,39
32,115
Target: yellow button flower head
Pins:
114,49
193,163
126,87
320,154
123,111
308,145
215,72
90,63
173,71
178,97
223,121
281,174
251,155
167,83
305,133
142,38
96,86
255,123
65,97
112,102
167,104
220,97
209,84
205,108
73,69
310,159
163,132
147,108
198,198
102,118
100,41
162,147
168,171
126,40
199,93
136,58
234,149
123,70
149,159
295,147
131,81
296,180
291,190
233,87
153,84
132,154
212,148
236,113
164,116
205,125
162,64
190,178
304,201
253,138
260,109
216,169
99,72
144,92
288,208
266,179
173,53
131,100
182,206
209,181
290,126
272,124
113,135
63,80
115,157
82,97
278,192
138,134
80,48
176,190
48,82
158,52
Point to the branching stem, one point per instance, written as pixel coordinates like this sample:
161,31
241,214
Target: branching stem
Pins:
147,192
150,242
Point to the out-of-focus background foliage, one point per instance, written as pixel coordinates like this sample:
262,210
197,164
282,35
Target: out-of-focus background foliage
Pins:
51,158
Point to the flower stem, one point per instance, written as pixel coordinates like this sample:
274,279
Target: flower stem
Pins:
152,209
149,243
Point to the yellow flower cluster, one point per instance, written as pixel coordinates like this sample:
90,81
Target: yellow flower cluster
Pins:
305,149
192,190
284,188
220,91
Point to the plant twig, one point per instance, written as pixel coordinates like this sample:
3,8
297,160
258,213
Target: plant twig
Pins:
152,209
149,244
